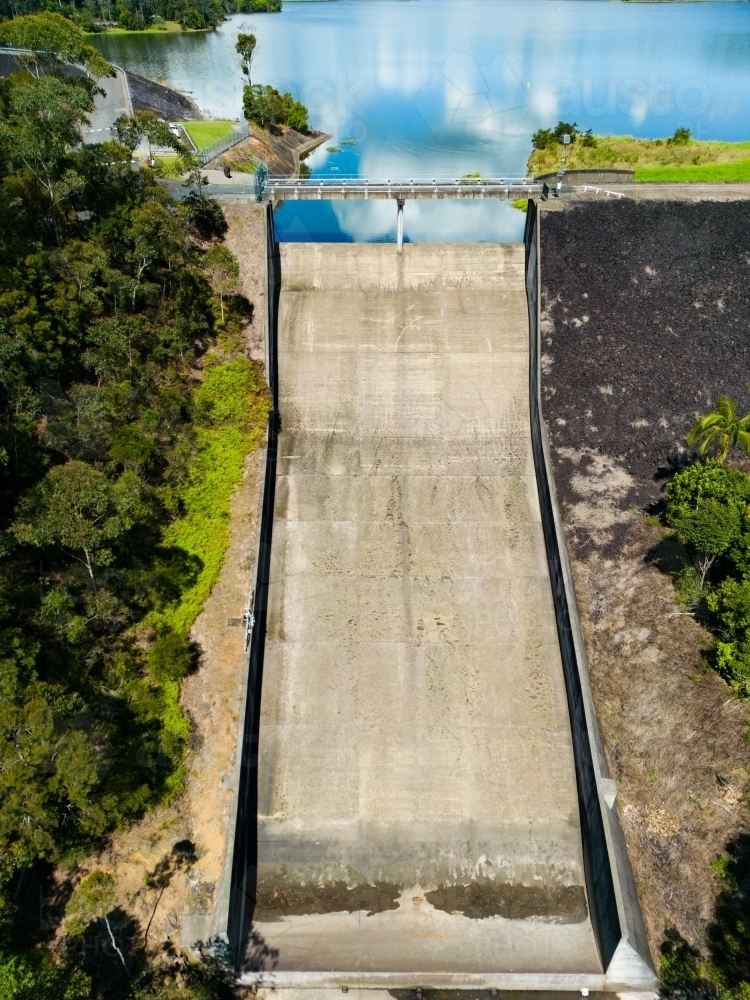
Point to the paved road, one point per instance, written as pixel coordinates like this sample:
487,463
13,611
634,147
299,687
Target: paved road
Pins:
417,797
114,103
643,191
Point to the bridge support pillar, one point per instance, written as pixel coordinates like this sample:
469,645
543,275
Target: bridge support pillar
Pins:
400,224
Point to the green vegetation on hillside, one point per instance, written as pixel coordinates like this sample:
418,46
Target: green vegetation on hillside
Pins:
708,509
126,411
266,106
707,551
678,158
736,170
141,15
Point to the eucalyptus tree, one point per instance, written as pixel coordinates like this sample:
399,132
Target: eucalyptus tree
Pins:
246,48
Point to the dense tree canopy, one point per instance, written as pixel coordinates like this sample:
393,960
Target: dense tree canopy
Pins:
266,106
126,410
137,15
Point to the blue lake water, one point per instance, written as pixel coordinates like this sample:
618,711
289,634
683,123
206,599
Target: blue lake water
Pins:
431,88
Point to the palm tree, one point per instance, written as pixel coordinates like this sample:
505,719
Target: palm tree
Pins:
722,427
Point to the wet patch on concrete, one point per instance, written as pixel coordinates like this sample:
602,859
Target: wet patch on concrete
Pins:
563,904
281,895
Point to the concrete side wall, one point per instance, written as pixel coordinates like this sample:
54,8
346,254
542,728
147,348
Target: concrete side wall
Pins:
581,177
232,922
613,900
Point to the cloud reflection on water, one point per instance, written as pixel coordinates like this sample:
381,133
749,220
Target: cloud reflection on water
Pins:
425,221
445,88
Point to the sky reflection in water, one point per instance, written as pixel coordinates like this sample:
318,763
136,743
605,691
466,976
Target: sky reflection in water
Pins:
431,88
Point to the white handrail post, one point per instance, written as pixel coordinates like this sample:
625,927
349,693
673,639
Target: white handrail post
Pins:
400,224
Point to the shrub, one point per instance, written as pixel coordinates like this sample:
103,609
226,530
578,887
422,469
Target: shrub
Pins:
566,128
546,138
589,140
707,505
543,138
205,215
681,137
194,19
34,975
170,658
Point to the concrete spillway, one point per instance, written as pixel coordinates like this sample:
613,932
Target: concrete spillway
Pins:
417,804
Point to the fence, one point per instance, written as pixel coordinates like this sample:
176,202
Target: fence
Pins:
241,131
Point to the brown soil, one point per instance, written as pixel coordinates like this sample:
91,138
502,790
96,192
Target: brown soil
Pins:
279,148
630,357
672,732
246,239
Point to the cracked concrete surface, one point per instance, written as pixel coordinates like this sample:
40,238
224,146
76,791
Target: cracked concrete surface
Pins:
417,797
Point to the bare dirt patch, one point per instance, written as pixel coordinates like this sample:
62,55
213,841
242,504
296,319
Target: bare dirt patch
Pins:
246,238
646,320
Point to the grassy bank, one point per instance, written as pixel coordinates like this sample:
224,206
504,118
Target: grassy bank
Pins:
154,29
232,407
204,134
652,159
738,170
232,404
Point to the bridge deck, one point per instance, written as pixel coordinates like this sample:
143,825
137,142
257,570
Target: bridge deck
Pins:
281,188
417,797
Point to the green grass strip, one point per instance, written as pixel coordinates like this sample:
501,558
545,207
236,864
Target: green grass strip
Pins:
738,170
234,402
204,134
232,407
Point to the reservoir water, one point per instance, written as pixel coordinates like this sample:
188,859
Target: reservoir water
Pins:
432,88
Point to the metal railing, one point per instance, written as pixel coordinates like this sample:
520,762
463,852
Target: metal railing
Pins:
275,188
596,190
206,153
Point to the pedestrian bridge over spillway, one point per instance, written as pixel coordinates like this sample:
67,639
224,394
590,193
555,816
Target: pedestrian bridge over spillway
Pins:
419,814
359,188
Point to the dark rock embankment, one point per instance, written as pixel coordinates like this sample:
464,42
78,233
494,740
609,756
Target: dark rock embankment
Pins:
169,104
11,63
646,320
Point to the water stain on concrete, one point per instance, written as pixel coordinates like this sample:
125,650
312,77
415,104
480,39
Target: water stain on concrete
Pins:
565,904
280,895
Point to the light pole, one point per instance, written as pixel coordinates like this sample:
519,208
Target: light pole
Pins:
561,172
